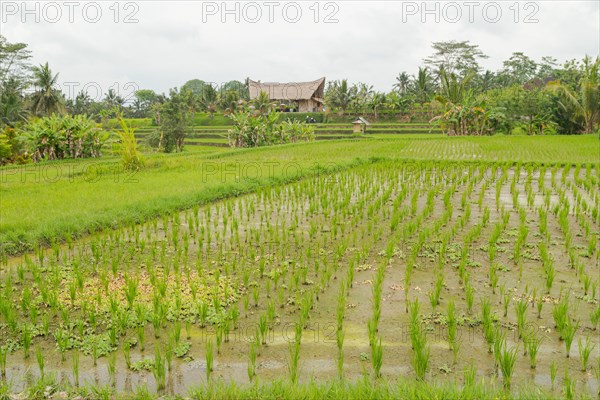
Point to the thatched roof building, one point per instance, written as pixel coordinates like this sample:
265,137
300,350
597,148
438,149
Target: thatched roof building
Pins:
308,95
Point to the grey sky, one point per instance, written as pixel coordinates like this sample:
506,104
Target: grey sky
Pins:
373,41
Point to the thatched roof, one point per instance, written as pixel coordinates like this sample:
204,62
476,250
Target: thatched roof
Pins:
289,91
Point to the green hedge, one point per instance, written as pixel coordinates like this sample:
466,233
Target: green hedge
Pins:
206,119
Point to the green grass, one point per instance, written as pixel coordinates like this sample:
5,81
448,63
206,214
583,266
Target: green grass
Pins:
281,389
54,200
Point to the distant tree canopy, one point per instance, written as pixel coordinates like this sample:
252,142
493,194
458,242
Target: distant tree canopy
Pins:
455,57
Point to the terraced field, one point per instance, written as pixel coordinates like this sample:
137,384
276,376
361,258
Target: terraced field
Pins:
217,135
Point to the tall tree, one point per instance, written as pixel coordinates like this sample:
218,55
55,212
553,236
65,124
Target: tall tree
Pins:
174,120
14,79
519,69
47,99
423,85
195,86
81,104
403,83
14,59
585,101
455,57
144,99
339,95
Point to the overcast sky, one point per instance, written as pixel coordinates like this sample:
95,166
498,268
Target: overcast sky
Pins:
161,44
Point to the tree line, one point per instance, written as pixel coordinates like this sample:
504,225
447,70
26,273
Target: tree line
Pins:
449,89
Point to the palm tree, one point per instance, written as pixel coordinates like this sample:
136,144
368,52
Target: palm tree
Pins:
11,103
453,88
403,83
362,96
47,99
262,103
423,85
462,110
340,95
112,100
585,100
377,100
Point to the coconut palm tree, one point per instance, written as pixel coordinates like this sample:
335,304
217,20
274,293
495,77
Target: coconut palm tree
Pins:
340,95
453,88
585,100
263,103
403,83
423,85
47,99
113,100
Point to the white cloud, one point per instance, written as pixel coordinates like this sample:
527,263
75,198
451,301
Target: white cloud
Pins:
372,42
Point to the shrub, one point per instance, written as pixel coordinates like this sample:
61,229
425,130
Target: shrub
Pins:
263,130
130,157
58,137
5,149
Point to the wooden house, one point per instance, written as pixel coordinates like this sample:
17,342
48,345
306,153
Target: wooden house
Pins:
307,95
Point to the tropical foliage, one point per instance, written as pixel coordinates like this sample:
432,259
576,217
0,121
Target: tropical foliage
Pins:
254,130
57,137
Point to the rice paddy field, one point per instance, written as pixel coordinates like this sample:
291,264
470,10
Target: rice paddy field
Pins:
410,267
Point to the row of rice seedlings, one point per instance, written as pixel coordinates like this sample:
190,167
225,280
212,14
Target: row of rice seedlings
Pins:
452,330
339,332
418,338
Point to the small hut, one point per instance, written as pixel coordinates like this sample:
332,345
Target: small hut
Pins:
360,125
307,95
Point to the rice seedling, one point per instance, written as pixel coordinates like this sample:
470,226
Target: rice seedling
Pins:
252,361
263,328
506,298
75,367
521,313
377,357
568,386
434,296
421,353
452,323
595,317
209,359
532,344
559,314
219,337
294,352
39,356
508,358
3,358
159,370
568,333
539,304
111,367
584,351
26,338
470,297
488,325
